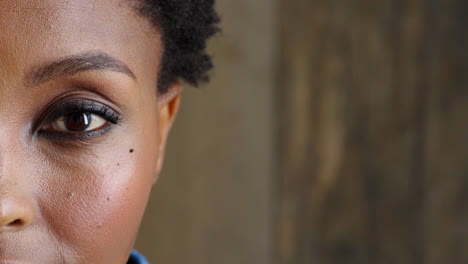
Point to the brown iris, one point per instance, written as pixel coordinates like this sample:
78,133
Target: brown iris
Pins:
77,121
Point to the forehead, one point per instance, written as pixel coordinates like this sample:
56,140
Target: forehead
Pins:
34,31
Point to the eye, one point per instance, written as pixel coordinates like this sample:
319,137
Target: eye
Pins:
78,119
77,122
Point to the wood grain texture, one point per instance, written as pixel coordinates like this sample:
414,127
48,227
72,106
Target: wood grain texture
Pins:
213,203
373,141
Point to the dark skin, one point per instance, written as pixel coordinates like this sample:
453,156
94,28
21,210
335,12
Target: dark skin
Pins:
74,185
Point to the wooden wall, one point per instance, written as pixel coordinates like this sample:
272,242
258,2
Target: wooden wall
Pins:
374,134
333,132
213,203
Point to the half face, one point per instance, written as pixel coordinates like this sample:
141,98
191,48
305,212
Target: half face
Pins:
82,129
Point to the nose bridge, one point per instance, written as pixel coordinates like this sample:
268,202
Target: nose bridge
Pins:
16,203
10,161
17,209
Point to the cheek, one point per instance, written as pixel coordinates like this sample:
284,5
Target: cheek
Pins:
94,202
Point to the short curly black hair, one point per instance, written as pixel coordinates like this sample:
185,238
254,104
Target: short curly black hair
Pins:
186,25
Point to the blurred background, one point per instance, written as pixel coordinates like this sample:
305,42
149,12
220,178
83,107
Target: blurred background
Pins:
332,132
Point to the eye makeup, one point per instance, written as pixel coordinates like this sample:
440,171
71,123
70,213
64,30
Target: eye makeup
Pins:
75,108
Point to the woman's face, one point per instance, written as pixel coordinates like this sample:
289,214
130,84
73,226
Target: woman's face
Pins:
82,129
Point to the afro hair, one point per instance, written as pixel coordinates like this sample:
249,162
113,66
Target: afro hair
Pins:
186,25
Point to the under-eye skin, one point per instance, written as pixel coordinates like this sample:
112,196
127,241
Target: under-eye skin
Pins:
77,119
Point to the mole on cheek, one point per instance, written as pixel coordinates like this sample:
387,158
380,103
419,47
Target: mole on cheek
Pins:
131,150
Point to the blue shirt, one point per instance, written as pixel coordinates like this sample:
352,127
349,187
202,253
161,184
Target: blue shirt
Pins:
137,258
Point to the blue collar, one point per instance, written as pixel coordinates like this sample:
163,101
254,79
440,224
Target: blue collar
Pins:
137,258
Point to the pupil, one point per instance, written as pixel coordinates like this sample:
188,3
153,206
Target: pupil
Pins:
77,121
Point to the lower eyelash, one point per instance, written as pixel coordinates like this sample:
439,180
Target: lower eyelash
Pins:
79,105
74,136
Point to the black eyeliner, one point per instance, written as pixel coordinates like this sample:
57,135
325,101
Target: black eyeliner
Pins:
78,106
85,106
74,136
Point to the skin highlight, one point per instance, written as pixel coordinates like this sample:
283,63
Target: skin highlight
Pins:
66,197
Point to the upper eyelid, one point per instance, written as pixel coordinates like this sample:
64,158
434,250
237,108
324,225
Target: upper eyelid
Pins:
56,109
80,105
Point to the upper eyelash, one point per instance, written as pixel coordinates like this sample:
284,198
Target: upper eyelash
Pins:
85,106
79,105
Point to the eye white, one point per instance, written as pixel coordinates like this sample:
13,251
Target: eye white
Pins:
95,122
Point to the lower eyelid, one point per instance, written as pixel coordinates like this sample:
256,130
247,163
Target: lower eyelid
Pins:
43,129
54,135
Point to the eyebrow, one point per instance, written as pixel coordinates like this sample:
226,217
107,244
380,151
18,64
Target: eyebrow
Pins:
69,66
